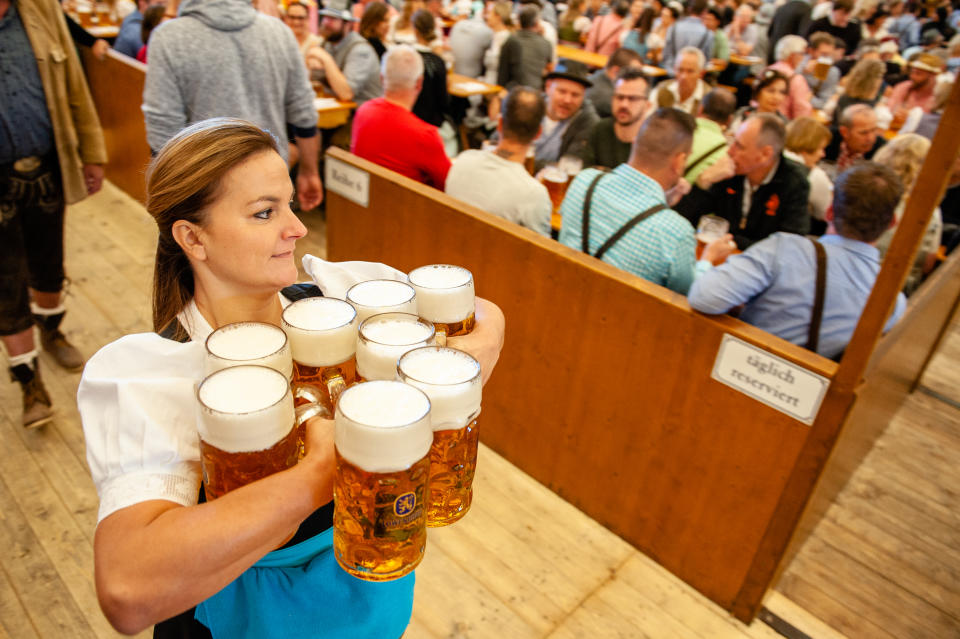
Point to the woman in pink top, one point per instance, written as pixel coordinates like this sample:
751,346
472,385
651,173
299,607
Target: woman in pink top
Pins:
604,35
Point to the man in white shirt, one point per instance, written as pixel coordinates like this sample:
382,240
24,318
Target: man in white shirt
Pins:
497,181
687,90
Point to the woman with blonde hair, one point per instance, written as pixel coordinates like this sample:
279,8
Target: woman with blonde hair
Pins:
805,144
861,86
905,154
401,29
219,192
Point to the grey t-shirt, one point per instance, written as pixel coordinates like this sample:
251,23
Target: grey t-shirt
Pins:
499,186
469,40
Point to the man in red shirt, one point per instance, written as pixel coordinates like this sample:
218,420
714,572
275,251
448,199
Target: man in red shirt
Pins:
387,133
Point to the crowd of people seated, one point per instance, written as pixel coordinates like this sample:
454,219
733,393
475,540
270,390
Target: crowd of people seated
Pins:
751,111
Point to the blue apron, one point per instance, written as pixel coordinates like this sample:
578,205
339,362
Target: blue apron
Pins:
301,591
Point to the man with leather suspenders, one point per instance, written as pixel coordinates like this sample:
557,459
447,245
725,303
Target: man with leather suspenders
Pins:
624,218
812,292
709,140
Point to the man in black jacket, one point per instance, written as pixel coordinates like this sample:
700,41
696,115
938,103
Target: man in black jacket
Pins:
791,18
753,187
570,119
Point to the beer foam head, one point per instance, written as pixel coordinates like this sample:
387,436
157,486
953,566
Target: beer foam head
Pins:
248,343
322,330
450,378
383,426
381,296
384,338
444,292
245,408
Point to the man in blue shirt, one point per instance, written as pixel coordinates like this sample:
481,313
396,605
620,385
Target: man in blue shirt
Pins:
661,248
689,31
775,279
128,40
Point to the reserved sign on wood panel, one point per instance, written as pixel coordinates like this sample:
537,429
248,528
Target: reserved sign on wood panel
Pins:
770,379
348,181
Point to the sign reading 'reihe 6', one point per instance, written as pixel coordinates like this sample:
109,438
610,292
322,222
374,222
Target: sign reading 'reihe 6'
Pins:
770,379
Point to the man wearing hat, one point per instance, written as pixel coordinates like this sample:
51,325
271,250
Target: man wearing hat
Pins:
348,62
566,126
917,91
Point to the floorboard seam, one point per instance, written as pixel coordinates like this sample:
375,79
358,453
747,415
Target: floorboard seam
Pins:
612,576
926,390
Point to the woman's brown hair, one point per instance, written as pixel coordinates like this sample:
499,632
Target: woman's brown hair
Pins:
182,180
425,25
373,15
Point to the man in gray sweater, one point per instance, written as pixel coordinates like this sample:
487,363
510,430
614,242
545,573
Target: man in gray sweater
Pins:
223,58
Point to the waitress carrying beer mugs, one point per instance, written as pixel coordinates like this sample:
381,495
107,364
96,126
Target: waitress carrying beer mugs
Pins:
258,560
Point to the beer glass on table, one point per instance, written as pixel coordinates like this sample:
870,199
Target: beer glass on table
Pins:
710,228
248,427
382,439
451,379
248,343
384,338
555,179
445,297
382,296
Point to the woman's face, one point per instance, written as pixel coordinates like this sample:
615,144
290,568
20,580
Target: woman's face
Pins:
382,28
771,98
250,232
636,9
666,17
810,158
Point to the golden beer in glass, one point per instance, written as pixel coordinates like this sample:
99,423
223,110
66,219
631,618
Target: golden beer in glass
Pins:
383,440
384,338
254,343
445,297
451,379
247,426
556,180
323,339
382,296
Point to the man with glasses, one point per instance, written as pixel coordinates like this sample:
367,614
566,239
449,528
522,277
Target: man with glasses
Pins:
610,141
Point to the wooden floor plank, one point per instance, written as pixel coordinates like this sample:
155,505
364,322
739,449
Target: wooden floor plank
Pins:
798,617
46,601
449,602
840,613
14,621
890,605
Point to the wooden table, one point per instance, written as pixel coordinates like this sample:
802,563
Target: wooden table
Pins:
460,86
744,60
588,58
330,115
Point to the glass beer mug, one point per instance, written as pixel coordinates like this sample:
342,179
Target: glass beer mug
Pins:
323,339
384,338
451,379
445,297
248,343
382,296
382,438
248,427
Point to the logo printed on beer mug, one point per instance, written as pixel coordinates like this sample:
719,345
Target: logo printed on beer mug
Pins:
404,504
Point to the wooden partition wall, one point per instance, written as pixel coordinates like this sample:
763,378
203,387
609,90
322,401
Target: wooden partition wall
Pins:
116,84
603,390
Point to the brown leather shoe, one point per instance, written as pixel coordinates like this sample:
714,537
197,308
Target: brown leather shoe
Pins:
66,354
55,342
37,409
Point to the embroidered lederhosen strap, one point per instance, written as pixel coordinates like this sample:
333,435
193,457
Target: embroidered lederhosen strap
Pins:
623,230
813,336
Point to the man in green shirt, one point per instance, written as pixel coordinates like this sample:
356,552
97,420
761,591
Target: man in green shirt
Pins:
709,142
611,138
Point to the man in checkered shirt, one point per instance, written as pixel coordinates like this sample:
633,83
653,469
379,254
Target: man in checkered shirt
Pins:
661,248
